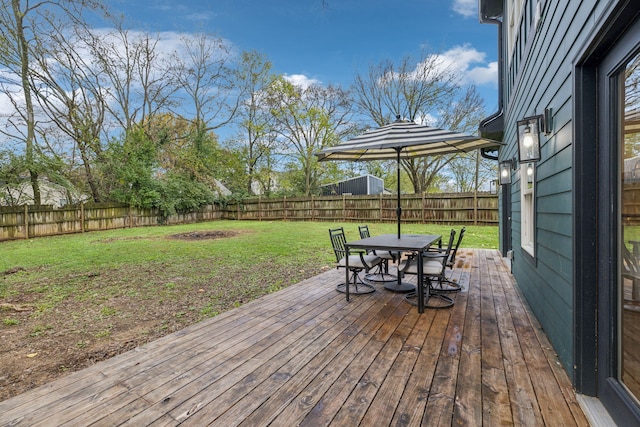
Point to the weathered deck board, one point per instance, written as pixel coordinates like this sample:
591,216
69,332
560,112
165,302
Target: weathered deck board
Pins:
305,356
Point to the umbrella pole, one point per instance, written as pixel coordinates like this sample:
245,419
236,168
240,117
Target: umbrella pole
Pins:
399,208
400,286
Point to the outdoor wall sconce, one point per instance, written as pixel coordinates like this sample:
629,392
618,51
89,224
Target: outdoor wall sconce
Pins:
529,139
505,168
529,130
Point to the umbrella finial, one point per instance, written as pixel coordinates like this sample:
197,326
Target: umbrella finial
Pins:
398,117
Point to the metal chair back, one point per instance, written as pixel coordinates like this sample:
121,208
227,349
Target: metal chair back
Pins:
452,256
449,247
364,231
338,241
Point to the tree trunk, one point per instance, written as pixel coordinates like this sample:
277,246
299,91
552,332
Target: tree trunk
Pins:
23,48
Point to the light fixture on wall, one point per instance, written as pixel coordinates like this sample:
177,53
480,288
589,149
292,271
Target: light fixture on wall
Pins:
529,130
505,168
529,139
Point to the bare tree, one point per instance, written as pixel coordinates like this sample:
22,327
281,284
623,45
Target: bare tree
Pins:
70,95
23,25
464,114
412,89
460,111
201,70
419,91
471,172
134,73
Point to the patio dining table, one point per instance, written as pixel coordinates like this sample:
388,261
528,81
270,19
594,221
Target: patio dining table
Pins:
417,243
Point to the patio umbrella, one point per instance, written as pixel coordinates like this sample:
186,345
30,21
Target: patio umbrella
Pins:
403,140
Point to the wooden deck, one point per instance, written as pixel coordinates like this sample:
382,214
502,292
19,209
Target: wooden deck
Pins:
304,356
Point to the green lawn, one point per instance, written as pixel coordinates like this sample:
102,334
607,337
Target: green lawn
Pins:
261,256
140,262
282,243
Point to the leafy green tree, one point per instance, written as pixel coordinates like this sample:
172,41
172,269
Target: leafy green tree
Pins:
130,166
160,165
308,120
255,122
179,193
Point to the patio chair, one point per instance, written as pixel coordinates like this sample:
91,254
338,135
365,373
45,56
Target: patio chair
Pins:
382,270
446,284
434,265
358,262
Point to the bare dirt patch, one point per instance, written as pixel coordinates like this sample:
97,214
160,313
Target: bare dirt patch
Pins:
48,330
202,235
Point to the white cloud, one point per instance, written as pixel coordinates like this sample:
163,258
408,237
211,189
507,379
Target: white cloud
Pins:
466,8
484,75
301,80
469,63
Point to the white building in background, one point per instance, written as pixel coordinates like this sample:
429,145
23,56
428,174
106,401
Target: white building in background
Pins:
50,193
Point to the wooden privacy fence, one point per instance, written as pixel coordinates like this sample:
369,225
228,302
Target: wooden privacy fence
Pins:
29,221
455,208
459,208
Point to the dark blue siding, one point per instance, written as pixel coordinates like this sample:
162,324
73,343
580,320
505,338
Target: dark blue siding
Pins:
539,76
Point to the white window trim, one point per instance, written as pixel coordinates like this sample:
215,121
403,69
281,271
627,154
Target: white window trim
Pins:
527,204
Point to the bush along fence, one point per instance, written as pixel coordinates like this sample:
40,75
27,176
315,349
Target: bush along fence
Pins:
457,208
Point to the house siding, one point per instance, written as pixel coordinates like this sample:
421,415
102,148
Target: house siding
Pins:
539,76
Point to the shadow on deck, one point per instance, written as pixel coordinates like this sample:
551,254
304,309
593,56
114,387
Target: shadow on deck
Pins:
304,356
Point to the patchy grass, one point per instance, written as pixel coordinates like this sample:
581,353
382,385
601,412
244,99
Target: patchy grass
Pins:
70,301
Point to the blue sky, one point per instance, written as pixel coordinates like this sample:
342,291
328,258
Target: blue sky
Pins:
330,41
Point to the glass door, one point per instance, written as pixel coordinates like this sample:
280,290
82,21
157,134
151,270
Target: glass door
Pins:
606,233
629,220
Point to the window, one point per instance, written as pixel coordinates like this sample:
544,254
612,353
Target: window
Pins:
527,191
514,12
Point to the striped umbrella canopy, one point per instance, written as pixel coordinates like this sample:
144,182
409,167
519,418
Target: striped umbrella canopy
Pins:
404,139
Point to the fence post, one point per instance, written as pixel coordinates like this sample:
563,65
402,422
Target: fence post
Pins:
26,221
344,207
259,208
424,206
82,217
284,208
475,206
313,211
